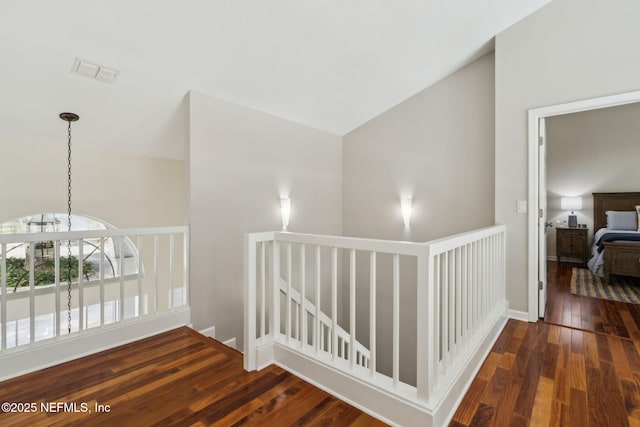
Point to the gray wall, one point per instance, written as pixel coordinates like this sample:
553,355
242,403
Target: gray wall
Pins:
240,163
569,50
437,147
123,189
587,152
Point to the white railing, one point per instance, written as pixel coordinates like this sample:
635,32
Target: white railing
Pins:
404,318
145,275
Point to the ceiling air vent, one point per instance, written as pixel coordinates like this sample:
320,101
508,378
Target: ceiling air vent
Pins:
94,71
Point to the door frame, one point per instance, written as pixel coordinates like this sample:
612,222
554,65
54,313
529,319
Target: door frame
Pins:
532,236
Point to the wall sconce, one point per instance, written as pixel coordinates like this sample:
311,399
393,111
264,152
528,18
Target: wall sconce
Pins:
405,206
285,210
572,204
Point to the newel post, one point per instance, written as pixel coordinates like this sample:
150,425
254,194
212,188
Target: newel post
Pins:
426,327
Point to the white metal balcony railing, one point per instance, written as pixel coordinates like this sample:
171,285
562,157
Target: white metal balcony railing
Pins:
354,306
147,277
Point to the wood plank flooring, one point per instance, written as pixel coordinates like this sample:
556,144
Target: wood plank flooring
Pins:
589,314
586,373
176,378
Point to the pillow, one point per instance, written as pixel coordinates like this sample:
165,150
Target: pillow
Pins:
638,215
622,220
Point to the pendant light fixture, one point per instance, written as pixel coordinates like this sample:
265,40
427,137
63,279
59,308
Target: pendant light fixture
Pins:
69,117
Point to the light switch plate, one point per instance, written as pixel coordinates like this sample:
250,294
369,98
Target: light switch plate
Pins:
521,206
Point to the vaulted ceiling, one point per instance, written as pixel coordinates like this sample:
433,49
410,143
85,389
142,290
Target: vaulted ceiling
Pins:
331,64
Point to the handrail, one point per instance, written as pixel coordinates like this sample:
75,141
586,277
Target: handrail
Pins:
83,234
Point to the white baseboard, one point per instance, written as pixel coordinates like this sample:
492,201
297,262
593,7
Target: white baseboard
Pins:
231,342
368,398
209,332
552,258
43,354
396,409
518,315
446,409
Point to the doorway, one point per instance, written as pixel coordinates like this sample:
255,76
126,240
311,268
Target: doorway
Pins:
537,210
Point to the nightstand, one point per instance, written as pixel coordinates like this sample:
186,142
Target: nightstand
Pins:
572,242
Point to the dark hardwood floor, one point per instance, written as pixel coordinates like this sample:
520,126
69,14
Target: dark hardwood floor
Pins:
589,314
176,378
580,367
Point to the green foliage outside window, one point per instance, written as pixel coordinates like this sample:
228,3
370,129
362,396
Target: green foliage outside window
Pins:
44,272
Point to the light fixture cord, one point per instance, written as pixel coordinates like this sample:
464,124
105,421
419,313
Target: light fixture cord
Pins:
69,266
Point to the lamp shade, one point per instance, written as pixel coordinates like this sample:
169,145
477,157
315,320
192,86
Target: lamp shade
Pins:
571,203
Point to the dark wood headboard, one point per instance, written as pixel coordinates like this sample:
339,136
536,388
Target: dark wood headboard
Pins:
603,202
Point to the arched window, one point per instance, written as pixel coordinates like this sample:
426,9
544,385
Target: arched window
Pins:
18,254
106,262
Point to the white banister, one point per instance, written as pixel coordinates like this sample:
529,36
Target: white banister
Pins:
107,290
459,309
33,312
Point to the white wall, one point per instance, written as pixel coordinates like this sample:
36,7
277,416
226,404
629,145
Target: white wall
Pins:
240,163
437,147
587,152
124,189
569,50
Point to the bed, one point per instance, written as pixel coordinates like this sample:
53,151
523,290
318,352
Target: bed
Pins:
615,251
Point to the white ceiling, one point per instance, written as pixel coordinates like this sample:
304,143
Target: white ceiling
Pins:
331,64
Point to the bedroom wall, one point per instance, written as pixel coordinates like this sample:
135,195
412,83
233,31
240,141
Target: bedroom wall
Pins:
587,152
240,163
437,147
124,189
569,50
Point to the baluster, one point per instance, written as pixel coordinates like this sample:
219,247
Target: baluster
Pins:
317,328
334,302
80,285
121,273
140,301
303,296
396,319
452,306
288,317
372,313
172,302
102,281
32,292
3,296
56,269
352,308
445,310
155,274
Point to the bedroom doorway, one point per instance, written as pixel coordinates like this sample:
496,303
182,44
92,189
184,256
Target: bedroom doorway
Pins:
537,287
